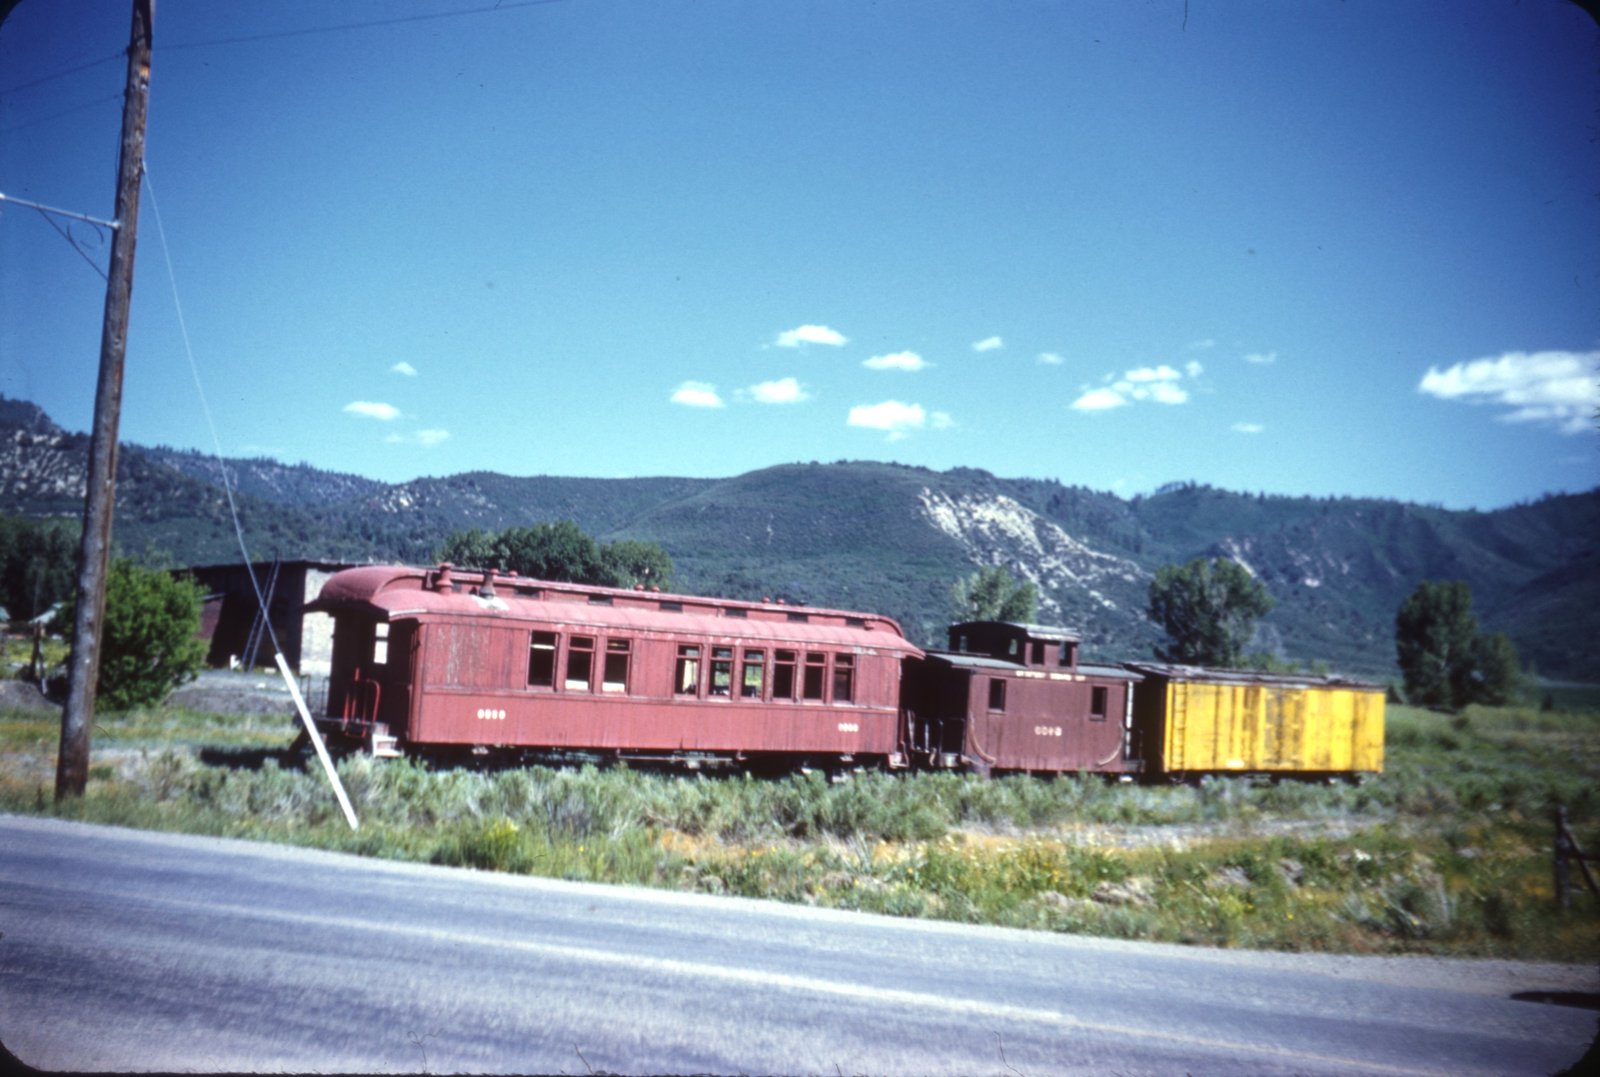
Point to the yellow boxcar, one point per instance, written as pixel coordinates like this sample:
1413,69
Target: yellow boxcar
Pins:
1191,720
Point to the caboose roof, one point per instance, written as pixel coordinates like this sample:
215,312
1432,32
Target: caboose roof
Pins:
1032,631
963,660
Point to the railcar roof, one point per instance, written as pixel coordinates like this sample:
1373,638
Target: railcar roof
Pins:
963,660
1210,675
1036,631
403,593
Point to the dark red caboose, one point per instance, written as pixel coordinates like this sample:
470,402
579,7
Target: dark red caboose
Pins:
1010,696
431,660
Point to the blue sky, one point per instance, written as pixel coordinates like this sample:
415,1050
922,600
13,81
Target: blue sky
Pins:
1317,247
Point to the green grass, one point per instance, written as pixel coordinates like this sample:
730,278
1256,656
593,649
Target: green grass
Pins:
1447,852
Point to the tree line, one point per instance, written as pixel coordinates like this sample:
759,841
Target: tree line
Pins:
1208,608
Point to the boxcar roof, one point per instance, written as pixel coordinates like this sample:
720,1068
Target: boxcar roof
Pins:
404,593
1208,675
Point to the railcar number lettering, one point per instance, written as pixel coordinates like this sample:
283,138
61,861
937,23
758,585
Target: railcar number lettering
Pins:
1047,730
849,727
491,715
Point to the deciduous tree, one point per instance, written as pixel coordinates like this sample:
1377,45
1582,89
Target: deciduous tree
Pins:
993,594
1209,610
1444,660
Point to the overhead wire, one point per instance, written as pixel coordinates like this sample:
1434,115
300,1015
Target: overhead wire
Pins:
394,21
66,234
233,513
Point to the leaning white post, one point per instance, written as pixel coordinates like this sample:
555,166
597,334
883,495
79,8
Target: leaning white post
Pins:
316,741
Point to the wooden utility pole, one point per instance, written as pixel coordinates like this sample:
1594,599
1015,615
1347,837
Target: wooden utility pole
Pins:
94,552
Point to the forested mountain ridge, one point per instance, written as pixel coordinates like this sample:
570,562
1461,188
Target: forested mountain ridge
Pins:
892,538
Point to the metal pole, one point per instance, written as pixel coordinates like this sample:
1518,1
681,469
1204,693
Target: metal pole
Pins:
72,763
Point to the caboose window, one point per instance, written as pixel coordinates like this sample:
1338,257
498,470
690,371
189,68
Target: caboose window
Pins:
722,671
997,694
1065,658
844,678
1097,704
380,643
615,676
754,676
783,674
816,667
1037,659
580,664
542,660
686,678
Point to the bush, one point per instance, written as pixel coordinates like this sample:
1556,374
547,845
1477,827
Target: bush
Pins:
149,640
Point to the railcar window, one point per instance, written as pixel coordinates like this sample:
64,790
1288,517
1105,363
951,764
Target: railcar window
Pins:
1037,658
816,668
1011,648
783,666
1097,704
722,671
799,618
856,622
580,664
961,644
753,679
735,611
1065,658
686,678
380,643
997,695
542,660
600,600
844,678
670,606
614,678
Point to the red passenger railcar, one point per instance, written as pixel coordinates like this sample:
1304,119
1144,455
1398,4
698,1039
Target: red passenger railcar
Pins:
431,660
1013,697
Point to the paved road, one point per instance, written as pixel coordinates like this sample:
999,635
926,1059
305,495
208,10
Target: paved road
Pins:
122,949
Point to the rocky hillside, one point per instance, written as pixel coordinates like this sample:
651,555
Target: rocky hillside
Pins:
891,538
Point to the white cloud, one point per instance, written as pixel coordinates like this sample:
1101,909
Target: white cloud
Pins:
988,344
697,394
941,420
810,334
425,438
1050,359
1261,358
1157,384
896,361
368,409
1164,392
1556,388
1248,428
891,416
1148,374
782,391
1101,399
1202,345
403,367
